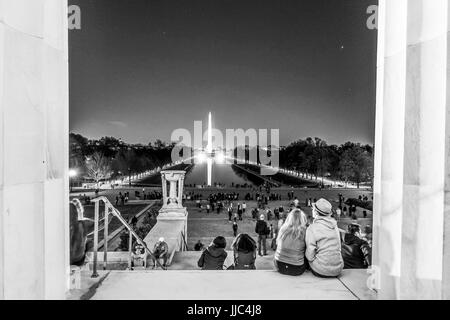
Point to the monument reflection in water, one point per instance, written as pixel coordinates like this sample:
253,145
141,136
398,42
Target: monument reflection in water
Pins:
213,167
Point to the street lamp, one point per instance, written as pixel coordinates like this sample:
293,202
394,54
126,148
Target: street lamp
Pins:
72,174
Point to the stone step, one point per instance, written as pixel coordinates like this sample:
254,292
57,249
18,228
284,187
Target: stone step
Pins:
187,260
231,285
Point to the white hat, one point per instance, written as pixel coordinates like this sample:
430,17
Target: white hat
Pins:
161,239
323,207
262,217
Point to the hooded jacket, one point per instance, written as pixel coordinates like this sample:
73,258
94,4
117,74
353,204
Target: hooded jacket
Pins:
323,247
212,258
356,252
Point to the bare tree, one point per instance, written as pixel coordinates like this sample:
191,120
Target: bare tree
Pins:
98,167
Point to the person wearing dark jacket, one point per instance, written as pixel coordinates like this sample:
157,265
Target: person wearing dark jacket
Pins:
235,228
214,256
262,230
356,252
244,250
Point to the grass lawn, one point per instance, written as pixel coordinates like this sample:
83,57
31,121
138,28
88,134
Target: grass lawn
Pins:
205,227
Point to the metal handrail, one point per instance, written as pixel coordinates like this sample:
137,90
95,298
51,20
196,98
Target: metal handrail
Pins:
184,240
109,208
100,228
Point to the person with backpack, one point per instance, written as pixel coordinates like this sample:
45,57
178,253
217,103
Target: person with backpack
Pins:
263,231
356,252
214,256
244,251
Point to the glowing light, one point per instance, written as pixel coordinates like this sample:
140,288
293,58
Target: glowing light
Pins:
201,157
220,157
73,173
209,171
209,149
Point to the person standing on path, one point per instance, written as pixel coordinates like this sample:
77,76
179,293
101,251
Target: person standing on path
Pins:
262,230
235,228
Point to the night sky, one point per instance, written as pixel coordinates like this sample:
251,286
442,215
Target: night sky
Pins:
141,68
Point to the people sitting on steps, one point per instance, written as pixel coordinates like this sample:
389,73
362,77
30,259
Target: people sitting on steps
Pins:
79,227
213,257
291,246
323,242
244,251
160,252
356,252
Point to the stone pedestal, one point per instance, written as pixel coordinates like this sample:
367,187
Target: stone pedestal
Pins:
172,208
172,218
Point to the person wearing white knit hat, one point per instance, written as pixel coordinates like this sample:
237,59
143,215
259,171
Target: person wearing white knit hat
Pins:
160,252
323,242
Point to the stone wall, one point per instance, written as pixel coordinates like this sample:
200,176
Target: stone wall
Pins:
33,149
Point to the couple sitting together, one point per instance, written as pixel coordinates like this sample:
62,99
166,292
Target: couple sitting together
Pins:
318,247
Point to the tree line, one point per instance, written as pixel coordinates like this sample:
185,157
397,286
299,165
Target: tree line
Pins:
108,158
314,158
349,162
111,158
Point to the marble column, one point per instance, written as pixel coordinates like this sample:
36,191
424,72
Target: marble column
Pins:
164,189
410,148
388,184
424,164
34,235
446,258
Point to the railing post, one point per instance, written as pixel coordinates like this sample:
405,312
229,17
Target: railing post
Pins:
94,272
130,248
105,237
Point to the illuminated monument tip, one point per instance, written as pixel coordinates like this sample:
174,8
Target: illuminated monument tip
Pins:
210,154
209,146
209,151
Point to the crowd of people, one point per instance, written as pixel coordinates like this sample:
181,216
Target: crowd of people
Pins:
300,244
